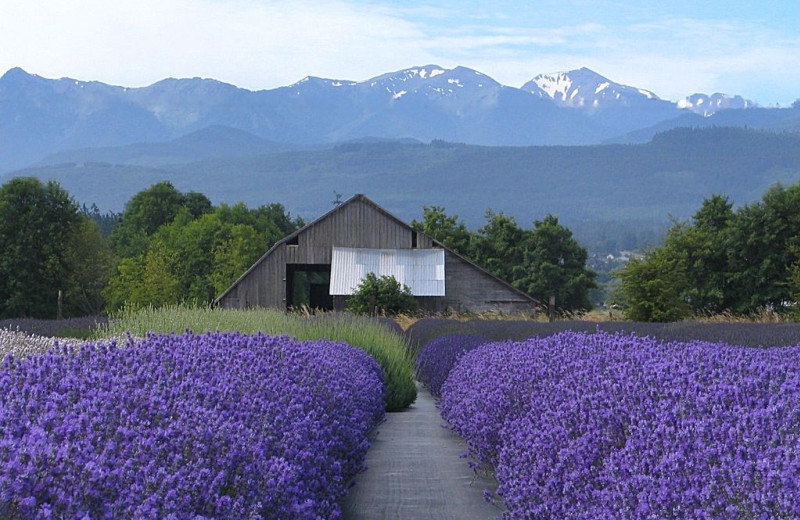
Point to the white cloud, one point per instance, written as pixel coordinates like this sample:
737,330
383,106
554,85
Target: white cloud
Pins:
257,44
268,43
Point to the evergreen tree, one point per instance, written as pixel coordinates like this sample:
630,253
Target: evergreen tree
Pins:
554,265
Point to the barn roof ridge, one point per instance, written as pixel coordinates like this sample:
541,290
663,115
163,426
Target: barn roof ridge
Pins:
360,197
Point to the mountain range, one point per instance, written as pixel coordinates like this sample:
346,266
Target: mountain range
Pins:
614,162
40,117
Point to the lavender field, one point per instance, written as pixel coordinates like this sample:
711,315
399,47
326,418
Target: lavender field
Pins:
587,426
215,425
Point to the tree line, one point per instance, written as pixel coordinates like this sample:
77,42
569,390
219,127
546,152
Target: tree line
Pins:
165,247
742,261
544,261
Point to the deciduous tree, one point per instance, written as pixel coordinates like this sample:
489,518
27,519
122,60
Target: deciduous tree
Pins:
37,224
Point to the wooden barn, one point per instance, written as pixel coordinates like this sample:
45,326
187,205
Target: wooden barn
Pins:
321,264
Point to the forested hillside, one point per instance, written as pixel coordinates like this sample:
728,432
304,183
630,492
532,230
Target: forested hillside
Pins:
633,187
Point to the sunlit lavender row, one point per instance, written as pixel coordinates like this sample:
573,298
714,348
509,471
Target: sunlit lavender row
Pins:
221,425
588,426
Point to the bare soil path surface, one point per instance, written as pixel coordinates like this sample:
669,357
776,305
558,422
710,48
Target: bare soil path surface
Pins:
415,471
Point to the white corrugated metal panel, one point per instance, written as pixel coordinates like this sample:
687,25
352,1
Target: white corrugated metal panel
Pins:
422,270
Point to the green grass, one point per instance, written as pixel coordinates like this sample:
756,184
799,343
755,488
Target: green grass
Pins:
385,346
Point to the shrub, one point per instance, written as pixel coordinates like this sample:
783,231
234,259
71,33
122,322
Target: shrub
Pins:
384,295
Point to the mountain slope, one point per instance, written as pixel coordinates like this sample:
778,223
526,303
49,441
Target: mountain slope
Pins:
669,176
208,143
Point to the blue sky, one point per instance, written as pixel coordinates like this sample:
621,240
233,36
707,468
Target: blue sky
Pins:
674,48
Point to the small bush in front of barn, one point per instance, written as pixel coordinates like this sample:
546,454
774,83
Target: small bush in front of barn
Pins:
218,425
383,296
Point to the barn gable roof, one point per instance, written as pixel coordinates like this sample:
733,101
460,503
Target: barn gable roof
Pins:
360,198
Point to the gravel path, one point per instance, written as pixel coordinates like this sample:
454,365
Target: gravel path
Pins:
415,472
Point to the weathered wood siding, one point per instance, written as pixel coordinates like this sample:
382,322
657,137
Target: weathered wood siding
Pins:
359,223
470,289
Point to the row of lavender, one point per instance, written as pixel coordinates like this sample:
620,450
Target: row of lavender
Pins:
221,425
588,426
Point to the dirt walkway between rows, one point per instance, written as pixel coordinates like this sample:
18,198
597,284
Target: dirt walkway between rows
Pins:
415,472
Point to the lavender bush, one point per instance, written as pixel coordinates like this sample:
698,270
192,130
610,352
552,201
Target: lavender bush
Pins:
587,426
220,425
440,355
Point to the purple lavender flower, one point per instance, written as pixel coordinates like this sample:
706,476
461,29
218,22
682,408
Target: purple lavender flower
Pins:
438,357
219,425
590,426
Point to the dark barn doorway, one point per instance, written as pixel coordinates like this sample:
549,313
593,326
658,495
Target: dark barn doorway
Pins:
308,285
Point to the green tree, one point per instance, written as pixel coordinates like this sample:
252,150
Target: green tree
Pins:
703,247
653,289
554,265
90,262
450,231
37,224
198,253
146,279
239,247
762,238
498,245
384,295
147,211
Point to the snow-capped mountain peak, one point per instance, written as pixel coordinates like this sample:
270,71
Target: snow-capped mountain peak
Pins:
321,82
584,88
706,105
432,80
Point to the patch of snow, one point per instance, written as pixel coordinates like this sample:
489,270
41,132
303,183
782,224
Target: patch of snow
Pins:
596,103
685,103
554,85
398,95
423,73
456,82
618,95
646,93
436,72
601,87
336,84
574,93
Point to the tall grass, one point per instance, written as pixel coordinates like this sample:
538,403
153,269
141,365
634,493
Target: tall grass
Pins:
377,340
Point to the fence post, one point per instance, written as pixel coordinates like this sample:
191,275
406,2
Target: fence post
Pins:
59,311
551,309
